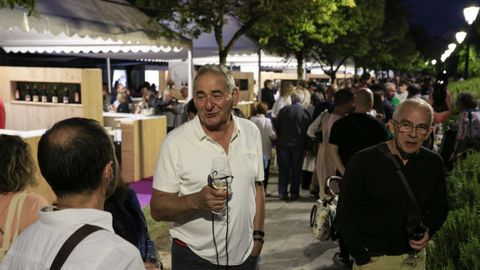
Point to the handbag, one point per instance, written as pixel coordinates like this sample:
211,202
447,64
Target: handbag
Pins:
10,233
312,144
323,214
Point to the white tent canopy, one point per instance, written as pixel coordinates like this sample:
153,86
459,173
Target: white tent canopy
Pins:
206,46
91,28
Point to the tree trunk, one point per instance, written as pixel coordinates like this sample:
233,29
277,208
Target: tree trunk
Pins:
333,77
299,57
223,57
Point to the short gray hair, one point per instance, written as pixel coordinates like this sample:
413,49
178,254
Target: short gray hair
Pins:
219,70
413,102
297,96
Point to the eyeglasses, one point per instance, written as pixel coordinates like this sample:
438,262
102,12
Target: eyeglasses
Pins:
406,126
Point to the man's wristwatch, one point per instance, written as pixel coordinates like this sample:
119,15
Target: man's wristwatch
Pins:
258,236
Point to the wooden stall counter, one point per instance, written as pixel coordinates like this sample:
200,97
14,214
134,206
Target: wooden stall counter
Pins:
246,108
31,138
141,137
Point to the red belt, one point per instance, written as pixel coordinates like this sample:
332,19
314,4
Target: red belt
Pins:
180,243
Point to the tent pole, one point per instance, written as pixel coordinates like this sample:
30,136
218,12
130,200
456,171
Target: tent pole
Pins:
109,77
190,75
259,82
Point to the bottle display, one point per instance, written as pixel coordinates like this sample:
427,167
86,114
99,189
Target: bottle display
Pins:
35,96
44,93
54,94
67,93
28,96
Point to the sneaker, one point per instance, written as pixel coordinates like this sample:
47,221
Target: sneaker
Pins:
283,198
338,259
268,194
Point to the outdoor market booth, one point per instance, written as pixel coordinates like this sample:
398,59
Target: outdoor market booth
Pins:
37,97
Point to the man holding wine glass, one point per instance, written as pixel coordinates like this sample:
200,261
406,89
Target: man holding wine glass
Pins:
208,181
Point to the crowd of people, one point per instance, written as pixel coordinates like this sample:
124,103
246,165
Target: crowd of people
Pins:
379,137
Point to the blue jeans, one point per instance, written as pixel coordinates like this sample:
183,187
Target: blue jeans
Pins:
290,161
266,172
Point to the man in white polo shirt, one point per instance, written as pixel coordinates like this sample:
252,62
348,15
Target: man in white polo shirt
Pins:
203,240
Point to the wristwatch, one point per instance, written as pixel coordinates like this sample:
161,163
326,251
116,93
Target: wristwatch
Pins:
258,236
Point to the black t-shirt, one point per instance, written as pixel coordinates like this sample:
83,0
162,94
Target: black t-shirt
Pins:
355,132
373,203
268,97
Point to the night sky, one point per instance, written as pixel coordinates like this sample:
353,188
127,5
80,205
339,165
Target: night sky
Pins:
440,17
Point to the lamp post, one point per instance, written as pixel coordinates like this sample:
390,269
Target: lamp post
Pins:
470,14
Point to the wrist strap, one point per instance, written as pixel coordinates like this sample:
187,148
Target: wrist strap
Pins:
259,233
383,147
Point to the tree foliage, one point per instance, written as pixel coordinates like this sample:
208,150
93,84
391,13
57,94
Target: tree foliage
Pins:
361,24
28,4
301,25
193,17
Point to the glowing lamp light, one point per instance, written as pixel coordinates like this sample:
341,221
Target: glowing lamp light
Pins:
433,62
470,14
460,36
452,46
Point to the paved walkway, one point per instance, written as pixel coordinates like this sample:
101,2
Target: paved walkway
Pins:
288,242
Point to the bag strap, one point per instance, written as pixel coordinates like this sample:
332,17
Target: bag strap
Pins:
71,243
15,207
385,151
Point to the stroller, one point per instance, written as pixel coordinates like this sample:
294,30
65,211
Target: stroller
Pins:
324,210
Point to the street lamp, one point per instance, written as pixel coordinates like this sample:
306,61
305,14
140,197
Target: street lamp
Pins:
470,14
460,36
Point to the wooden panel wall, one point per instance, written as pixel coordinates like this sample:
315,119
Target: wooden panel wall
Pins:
43,188
30,116
141,140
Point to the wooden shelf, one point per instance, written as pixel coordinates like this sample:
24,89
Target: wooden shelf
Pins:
29,115
48,104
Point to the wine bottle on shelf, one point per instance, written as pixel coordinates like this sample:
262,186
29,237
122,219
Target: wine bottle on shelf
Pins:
44,96
54,93
17,92
35,96
28,95
76,94
65,95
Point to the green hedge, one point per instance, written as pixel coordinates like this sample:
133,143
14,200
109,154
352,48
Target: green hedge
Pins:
457,244
472,86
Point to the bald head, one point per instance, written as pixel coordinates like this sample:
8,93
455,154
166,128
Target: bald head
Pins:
363,100
72,156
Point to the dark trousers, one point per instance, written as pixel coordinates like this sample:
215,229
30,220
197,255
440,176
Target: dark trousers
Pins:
266,173
185,259
344,253
290,161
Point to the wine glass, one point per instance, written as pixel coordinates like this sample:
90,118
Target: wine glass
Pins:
220,178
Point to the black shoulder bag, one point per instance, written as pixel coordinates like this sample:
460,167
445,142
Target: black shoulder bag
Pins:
71,243
414,227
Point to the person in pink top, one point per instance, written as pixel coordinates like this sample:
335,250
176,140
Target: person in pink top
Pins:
18,209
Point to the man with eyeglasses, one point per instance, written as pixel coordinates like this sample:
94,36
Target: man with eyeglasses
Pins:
375,209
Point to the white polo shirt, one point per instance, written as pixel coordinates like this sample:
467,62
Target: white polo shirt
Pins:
184,164
37,246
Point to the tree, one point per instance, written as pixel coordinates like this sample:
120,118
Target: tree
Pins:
390,40
28,4
192,17
303,24
362,23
